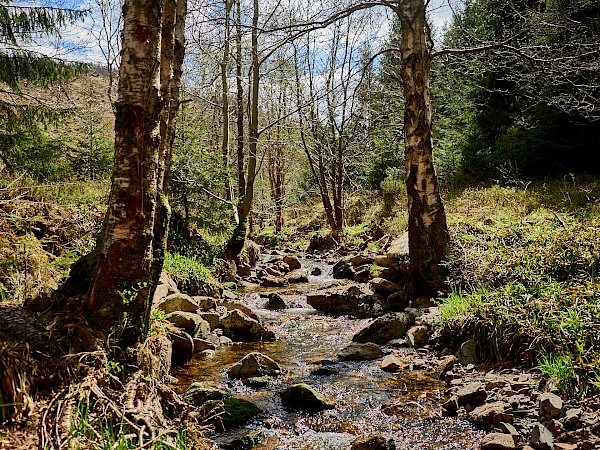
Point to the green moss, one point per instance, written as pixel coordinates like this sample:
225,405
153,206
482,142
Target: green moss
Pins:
228,413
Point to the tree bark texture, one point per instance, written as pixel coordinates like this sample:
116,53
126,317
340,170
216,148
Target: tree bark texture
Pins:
427,229
130,249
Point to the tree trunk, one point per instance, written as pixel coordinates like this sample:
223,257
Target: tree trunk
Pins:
225,94
427,230
130,249
240,101
236,243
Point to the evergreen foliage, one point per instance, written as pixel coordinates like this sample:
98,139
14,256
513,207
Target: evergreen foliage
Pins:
22,116
531,103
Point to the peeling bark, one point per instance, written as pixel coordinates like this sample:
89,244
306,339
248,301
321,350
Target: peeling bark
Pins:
427,229
130,249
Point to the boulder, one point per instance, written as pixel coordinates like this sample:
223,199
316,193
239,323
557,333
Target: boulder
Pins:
258,382
192,323
274,281
391,363
202,344
385,261
244,270
316,271
231,304
467,354
177,302
199,393
204,303
297,276
378,442
273,271
398,249
254,365
572,416
166,279
182,347
498,441
341,297
161,291
275,302
228,413
550,405
343,270
292,262
363,275
239,327
473,394
490,414
362,259
445,365
304,398
398,301
541,437
383,286
282,267
417,336
385,328
360,352
212,317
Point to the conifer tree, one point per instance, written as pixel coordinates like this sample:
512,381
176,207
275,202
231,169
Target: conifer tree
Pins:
21,114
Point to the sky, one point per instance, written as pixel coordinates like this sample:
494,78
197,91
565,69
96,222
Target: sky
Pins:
80,41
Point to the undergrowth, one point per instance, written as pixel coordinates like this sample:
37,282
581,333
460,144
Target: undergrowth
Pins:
524,270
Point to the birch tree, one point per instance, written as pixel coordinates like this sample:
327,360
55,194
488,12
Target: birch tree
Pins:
123,270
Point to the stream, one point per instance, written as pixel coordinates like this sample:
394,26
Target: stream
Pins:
369,401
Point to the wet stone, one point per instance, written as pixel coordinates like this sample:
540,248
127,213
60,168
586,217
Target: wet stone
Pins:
498,441
391,363
378,442
254,365
490,414
258,382
228,413
360,352
304,398
385,328
200,392
275,302
324,371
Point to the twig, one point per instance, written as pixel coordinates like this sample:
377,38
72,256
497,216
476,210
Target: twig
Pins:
562,222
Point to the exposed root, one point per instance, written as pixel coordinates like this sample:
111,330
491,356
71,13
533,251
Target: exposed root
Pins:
141,411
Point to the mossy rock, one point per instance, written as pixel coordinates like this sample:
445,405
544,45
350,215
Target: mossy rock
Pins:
276,301
248,441
304,398
199,393
258,382
228,413
231,285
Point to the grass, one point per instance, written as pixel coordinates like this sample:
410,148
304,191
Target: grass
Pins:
191,274
89,432
524,271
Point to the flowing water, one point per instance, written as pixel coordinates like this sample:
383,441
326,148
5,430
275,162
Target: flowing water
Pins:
368,400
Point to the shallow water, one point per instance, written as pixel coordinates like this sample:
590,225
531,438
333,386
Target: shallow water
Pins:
368,400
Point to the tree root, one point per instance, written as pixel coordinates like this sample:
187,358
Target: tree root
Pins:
142,411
